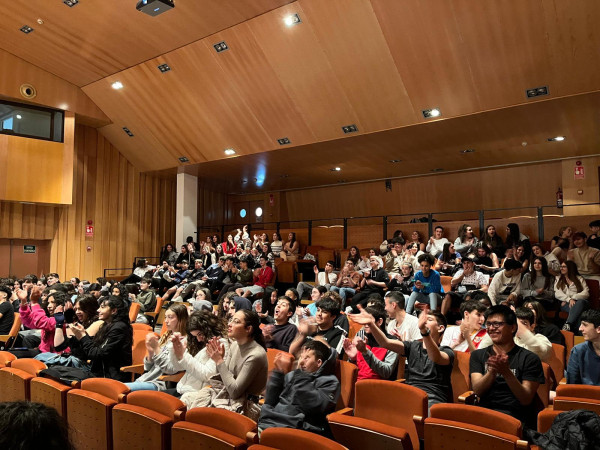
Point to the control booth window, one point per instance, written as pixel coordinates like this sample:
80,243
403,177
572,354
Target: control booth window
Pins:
31,121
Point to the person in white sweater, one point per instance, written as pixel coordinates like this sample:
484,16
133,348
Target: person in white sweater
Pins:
528,339
435,245
506,284
573,293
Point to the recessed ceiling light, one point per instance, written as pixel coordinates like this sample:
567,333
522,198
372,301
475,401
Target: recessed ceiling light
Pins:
19,116
117,85
26,29
164,68
221,46
350,129
467,150
128,131
395,160
535,92
336,169
183,159
292,19
557,138
70,3
429,113
229,151
284,141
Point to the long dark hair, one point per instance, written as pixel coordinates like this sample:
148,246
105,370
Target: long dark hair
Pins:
268,307
540,312
514,234
89,305
462,231
549,278
293,238
208,325
122,315
572,274
446,255
251,319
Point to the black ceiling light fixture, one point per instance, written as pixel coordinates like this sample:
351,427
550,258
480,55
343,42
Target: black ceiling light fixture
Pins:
26,29
164,68
155,7
71,3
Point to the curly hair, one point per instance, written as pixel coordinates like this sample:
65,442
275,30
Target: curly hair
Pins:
208,325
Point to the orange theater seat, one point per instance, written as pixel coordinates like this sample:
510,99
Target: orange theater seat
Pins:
134,310
145,421
89,412
577,396
15,381
290,439
213,428
6,358
471,427
8,340
51,393
346,373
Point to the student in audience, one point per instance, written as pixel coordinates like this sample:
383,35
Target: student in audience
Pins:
373,361
147,300
353,254
262,277
593,240
158,360
404,281
538,284
586,258
428,287
564,232
190,354
447,260
387,244
514,238
374,281
323,326
393,259
572,291
185,255
411,255
189,285
584,362
466,241
364,265
110,349
486,261
32,426
327,278
168,255
435,245
561,251
404,326
494,242
238,278
302,398
471,334
542,325
505,376
522,258
465,283
429,365
281,334
7,316
348,281
229,247
527,338
506,284
276,245
315,295
552,261
415,238
290,248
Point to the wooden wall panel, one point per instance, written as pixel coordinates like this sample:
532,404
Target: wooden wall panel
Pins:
133,214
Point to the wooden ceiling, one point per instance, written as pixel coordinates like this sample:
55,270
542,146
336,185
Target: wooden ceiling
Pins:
373,63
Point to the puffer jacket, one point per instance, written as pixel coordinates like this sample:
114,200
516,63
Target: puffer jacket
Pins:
301,399
571,430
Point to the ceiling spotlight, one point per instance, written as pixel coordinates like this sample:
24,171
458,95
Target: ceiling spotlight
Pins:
164,68
429,113
26,29
350,129
70,3
535,92
284,141
126,130
230,152
19,116
557,138
395,160
183,159
40,21
117,85
467,150
221,46
336,169
292,19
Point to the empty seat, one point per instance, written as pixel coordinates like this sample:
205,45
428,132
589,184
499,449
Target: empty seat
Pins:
8,340
15,380
577,396
134,310
145,421
51,393
290,439
89,412
461,378
452,425
346,374
213,428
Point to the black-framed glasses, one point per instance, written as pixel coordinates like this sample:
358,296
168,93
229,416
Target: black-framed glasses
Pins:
498,324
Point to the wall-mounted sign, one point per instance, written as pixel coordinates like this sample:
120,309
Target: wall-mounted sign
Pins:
29,249
579,173
89,231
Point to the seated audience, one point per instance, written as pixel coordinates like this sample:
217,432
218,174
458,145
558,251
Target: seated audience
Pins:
276,245
522,257
465,284
348,282
353,254
506,284
435,245
514,238
584,362
290,248
404,326
551,260
593,239
486,261
404,281
493,241
428,287
302,398
572,291
393,258
415,238
168,255
326,278
447,260
262,277
466,242
373,282
538,284
527,338
471,334
281,334
542,325
564,233
188,285
586,258
7,316
147,300
505,376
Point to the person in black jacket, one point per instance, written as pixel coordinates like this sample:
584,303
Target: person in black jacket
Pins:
110,348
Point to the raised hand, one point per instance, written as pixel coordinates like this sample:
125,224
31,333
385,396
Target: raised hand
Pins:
350,349
178,348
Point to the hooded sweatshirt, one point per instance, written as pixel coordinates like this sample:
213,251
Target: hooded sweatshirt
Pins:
301,399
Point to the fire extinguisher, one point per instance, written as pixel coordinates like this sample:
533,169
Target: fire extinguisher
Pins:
559,198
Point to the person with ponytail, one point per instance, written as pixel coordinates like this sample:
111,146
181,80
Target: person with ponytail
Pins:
158,360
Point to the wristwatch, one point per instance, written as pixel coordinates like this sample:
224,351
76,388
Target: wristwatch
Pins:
427,333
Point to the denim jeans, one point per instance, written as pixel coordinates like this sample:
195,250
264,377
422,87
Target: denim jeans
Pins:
431,299
141,386
575,312
343,291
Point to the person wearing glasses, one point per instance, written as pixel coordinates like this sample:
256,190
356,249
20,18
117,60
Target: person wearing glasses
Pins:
505,376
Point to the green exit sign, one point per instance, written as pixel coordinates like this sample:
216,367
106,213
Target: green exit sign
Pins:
29,249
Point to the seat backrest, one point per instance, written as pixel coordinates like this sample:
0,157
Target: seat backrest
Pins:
29,365
16,326
223,420
286,271
461,378
475,415
138,351
14,384
594,298
291,439
578,390
141,327
543,392
391,403
134,310
160,402
51,393
441,433
545,419
557,362
112,389
346,374
272,353
324,255
159,304
6,358
569,342
446,283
